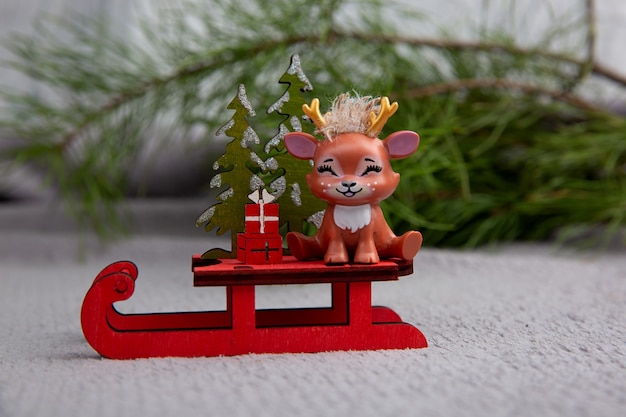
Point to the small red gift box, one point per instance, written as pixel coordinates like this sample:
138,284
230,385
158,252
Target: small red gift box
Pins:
262,218
259,249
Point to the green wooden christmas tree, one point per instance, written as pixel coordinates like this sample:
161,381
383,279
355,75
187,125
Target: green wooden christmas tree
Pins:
250,163
298,205
233,176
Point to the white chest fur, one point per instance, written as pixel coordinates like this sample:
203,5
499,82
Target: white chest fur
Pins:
352,217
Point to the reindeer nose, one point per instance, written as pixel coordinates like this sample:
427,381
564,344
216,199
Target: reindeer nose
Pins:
348,184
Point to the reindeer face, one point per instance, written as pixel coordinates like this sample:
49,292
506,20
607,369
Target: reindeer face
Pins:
352,169
351,166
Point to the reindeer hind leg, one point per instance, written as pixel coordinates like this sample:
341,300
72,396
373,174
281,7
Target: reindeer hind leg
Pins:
403,247
304,247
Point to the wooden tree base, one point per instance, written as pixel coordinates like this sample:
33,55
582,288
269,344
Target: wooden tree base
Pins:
351,323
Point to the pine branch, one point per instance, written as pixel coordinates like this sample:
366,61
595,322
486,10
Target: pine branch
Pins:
205,67
502,84
193,70
109,92
594,67
585,66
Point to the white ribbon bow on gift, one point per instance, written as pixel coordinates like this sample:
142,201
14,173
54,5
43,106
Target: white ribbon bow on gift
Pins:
261,198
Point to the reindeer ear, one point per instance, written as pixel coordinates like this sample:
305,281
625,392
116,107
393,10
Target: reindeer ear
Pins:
301,145
402,144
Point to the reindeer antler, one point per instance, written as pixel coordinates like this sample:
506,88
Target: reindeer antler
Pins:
313,111
377,121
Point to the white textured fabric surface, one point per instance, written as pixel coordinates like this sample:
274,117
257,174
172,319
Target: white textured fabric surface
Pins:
516,331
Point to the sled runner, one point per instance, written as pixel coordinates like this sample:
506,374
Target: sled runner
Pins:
351,323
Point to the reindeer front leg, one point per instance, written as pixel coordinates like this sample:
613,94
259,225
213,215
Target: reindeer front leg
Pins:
336,252
366,252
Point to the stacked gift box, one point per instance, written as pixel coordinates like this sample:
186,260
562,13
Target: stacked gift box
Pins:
260,243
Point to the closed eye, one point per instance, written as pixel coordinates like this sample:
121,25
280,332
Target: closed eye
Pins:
372,168
326,168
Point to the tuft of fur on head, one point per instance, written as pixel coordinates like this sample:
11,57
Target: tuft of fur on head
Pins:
349,115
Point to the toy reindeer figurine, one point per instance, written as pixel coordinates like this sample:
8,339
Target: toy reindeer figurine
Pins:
352,173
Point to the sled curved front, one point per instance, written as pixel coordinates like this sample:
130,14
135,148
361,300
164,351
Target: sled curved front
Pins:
351,323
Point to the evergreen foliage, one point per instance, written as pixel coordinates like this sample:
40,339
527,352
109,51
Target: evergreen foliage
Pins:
510,148
300,204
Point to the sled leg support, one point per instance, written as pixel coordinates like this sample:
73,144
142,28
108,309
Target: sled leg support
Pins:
351,323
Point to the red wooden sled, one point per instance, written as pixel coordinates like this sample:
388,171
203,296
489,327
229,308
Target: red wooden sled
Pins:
351,323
